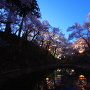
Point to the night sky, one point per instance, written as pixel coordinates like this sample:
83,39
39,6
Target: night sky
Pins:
64,13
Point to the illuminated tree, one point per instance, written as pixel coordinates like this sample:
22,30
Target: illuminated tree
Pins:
80,31
53,40
79,45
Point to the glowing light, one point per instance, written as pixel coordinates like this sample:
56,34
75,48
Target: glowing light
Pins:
81,51
49,49
40,45
50,46
47,79
58,70
83,80
73,70
81,76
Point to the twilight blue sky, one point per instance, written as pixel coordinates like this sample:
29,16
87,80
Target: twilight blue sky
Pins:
64,13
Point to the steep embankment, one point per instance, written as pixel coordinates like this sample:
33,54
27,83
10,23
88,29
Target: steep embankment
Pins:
17,53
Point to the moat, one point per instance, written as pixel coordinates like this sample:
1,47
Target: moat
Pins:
64,79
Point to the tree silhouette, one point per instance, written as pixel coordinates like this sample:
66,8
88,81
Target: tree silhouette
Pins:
21,8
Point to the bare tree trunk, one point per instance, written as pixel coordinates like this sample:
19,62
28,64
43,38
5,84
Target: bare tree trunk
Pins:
20,29
55,51
87,42
35,35
25,35
8,28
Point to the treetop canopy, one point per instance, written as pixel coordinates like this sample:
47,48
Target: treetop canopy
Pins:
23,6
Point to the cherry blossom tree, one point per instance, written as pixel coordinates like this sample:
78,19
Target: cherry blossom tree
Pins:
52,40
21,8
80,31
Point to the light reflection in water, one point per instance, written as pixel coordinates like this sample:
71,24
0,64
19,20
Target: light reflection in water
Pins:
64,78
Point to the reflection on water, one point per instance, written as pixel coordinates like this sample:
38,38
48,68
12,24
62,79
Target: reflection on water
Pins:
64,79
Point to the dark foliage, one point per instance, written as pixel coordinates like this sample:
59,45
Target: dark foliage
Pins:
17,53
24,9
